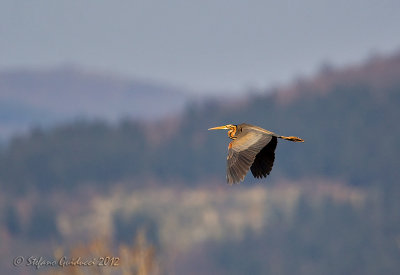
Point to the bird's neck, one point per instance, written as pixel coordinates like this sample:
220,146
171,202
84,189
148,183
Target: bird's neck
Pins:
232,132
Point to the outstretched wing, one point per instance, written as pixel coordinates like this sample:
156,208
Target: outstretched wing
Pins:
264,160
242,153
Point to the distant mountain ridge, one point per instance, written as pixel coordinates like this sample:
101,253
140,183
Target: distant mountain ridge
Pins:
378,73
350,130
42,97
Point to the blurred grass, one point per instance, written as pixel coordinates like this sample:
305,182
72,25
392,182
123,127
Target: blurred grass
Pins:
137,259
169,222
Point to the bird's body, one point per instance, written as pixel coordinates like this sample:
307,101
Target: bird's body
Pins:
253,148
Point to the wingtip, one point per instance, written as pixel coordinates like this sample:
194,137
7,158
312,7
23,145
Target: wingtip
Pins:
233,182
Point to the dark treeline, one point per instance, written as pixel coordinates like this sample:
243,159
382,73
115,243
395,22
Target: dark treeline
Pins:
331,238
351,133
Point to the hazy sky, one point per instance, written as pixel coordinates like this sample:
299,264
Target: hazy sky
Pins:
203,45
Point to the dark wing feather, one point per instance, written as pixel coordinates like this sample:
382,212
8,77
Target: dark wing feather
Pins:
264,160
242,152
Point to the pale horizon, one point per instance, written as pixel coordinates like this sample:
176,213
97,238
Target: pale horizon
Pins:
224,46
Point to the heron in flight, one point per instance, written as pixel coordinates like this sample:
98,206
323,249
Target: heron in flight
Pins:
253,148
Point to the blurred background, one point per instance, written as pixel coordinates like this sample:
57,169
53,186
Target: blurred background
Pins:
104,148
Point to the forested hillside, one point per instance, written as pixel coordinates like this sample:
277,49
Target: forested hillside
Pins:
330,206
348,118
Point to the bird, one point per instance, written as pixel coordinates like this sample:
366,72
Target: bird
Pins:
253,148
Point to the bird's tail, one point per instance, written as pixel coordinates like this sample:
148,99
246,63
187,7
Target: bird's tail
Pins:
295,139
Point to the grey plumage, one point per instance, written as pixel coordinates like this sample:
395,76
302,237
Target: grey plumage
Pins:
251,148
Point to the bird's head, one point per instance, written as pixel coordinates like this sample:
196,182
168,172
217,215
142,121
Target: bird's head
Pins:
225,127
232,130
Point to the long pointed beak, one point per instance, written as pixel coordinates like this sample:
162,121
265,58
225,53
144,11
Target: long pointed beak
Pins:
219,128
